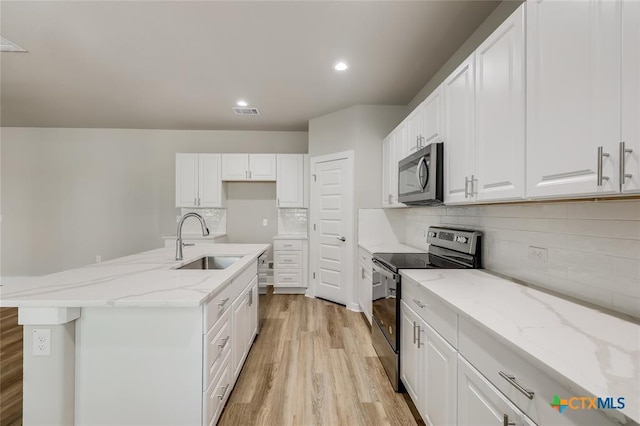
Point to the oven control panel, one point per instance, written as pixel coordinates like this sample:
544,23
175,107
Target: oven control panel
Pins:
455,239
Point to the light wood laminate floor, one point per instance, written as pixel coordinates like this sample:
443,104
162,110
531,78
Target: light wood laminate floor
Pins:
313,364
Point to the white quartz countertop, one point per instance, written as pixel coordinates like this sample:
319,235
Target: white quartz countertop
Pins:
595,351
185,236
378,247
291,237
146,279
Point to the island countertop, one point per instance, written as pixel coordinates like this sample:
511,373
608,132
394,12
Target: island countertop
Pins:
147,279
598,352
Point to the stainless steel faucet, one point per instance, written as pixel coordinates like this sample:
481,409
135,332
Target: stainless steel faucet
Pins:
205,232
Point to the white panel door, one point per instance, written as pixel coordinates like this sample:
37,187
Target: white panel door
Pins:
262,167
290,180
480,403
333,216
235,166
210,180
438,378
573,96
186,180
459,107
500,84
631,95
432,117
409,355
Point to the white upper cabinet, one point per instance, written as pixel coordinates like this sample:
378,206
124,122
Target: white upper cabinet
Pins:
255,167
235,166
290,183
262,167
431,112
414,130
573,97
458,133
630,161
394,149
198,180
499,120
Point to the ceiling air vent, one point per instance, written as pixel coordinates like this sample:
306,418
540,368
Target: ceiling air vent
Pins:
246,111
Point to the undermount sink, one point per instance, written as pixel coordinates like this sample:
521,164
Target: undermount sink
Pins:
212,262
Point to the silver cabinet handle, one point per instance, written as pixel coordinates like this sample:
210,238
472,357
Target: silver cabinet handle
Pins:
188,244
472,181
362,270
601,155
414,332
623,175
249,298
419,303
343,239
390,198
246,174
506,422
198,200
224,391
466,186
249,174
278,201
224,302
512,380
417,142
224,342
419,342
195,201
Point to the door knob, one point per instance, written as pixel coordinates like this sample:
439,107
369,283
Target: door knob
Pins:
343,239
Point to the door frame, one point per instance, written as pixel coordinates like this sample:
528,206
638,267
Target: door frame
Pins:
349,232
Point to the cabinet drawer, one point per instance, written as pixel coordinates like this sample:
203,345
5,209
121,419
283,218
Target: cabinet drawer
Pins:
491,357
431,309
216,347
288,278
216,308
217,394
365,257
288,259
290,245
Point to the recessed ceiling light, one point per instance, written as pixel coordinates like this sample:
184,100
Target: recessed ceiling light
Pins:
242,103
8,46
340,66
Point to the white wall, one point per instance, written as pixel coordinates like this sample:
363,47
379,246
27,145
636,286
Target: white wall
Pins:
593,248
71,194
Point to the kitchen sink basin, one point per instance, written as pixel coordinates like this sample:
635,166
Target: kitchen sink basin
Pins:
212,262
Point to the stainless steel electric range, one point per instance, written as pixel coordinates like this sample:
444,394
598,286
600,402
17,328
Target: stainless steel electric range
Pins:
448,249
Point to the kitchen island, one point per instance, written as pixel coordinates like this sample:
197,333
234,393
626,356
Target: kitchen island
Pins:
135,340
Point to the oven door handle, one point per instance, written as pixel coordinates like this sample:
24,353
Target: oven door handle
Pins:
382,270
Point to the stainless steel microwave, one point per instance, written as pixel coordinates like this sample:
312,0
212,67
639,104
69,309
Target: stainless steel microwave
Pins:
420,176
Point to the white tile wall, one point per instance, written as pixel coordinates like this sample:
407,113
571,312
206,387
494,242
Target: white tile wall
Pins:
593,248
216,220
292,221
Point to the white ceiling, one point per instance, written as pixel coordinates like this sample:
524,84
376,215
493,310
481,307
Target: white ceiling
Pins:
183,65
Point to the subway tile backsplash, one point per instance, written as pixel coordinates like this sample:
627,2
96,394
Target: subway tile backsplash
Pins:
292,221
216,220
593,248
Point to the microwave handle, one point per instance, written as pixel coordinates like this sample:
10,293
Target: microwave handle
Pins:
420,163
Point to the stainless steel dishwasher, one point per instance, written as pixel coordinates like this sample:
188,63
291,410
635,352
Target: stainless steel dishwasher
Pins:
263,271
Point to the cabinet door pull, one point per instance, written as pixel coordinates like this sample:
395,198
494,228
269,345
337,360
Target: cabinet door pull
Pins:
419,342
512,380
623,175
224,302
362,272
278,202
506,422
466,187
414,332
224,392
246,174
198,200
419,303
224,342
601,155
195,201
473,186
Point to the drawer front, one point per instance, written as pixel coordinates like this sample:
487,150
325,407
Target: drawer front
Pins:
288,259
217,345
288,278
491,357
217,394
431,309
365,258
291,245
216,307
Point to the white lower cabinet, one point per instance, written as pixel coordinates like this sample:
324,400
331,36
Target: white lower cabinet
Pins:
290,265
481,404
428,369
244,326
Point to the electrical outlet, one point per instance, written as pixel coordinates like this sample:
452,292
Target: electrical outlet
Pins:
41,342
538,255
98,258
265,222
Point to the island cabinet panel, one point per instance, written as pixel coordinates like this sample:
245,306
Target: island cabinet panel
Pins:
164,365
